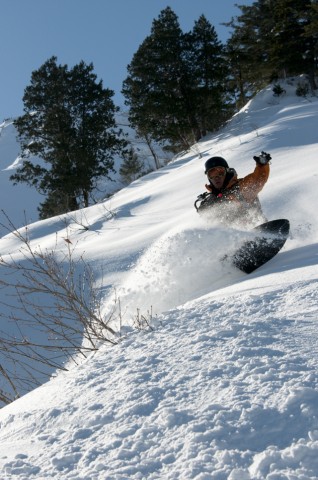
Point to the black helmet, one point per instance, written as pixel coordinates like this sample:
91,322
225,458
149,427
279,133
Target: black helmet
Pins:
215,162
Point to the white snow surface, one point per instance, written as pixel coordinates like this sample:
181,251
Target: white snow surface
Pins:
225,385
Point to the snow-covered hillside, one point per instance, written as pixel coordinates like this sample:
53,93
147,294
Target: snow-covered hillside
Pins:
225,385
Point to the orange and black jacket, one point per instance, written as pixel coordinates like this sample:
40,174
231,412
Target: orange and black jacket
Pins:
240,193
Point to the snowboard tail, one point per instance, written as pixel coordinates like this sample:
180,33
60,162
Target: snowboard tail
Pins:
271,237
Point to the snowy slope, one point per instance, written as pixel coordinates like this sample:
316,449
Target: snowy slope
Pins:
225,386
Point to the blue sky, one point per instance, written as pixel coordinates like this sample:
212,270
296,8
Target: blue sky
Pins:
104,32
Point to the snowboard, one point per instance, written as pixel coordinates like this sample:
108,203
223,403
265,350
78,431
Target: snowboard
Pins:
271,237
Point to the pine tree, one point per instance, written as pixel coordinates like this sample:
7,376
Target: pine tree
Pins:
272,39
176,84
311,33
209,74
291,51
69,124
132,166
248,49
153,88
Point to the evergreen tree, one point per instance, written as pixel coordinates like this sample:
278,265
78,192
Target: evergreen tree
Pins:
209,75
271,39
176,83
131,167
153,88
69,124
311,33
291,51
248,49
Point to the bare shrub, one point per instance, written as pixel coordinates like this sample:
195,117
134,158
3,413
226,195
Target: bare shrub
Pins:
52,311
143,321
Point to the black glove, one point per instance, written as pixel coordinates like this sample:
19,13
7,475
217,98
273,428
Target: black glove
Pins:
205,199
263,158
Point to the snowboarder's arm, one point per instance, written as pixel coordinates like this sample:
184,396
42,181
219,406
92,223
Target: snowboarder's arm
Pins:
253,183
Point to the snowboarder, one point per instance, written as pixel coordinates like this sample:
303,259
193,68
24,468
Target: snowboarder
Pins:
231,200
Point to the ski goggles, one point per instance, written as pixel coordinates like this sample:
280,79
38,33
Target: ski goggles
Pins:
217,172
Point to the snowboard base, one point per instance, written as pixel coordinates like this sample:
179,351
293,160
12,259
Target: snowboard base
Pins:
269,241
